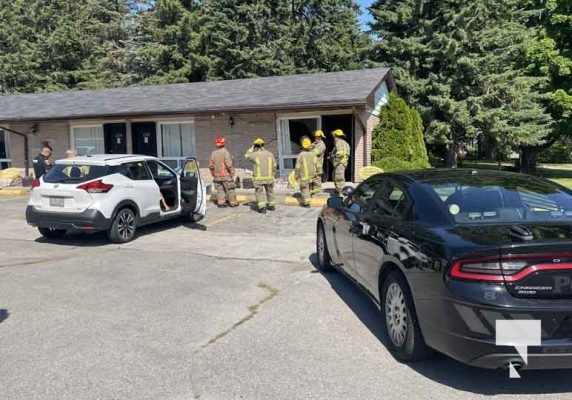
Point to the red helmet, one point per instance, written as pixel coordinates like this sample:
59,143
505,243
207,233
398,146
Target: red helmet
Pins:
219,141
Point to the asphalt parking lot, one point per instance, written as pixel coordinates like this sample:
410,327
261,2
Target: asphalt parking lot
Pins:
231,308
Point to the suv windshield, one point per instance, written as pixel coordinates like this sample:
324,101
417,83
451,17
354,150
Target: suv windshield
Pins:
75,173
503,199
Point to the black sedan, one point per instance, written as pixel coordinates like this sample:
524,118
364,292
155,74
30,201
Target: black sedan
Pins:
447,253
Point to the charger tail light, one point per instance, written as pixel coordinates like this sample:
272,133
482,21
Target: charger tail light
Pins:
35,183
491,269
96,187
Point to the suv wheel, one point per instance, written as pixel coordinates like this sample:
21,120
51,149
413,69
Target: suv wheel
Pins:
51,233
123,228
398,314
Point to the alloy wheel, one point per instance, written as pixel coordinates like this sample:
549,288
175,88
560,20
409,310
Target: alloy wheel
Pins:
396,314
126,225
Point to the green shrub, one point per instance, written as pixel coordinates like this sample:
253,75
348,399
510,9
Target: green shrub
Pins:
399,135
391,164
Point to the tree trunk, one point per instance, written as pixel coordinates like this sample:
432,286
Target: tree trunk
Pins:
451,156
528,159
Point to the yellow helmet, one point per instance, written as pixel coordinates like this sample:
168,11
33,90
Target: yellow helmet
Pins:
338,133
306,143
319,133
258,142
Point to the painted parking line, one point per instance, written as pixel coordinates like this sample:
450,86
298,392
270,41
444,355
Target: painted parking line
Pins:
225,218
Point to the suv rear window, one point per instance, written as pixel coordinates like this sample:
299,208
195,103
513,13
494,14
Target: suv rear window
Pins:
507,199
75,173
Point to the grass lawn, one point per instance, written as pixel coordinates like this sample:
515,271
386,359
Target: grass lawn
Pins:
567,182
559,173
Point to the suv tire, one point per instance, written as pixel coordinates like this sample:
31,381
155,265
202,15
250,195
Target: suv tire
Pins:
124,226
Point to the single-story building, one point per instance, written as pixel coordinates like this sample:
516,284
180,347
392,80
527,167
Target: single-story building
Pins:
174,121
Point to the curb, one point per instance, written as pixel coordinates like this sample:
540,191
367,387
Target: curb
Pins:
14,192
239,197
315,202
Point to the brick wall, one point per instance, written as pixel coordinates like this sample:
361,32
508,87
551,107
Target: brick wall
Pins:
240,135
56,133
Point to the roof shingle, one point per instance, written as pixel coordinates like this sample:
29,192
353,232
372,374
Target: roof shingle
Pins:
292,91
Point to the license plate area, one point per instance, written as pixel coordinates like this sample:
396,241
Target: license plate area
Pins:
57,201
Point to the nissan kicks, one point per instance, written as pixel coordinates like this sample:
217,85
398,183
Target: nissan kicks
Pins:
114,193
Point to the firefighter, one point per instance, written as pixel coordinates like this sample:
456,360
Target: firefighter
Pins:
320,150
222,171
340,156
263,177
306,169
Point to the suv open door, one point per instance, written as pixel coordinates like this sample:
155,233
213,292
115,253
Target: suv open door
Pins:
193,190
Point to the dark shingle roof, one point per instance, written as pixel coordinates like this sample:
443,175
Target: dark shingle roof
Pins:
274,93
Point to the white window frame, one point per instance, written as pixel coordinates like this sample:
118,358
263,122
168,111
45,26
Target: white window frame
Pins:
284,172
159,131
7,145
92,125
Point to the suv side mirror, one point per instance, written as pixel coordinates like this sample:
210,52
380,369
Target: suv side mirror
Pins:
347,191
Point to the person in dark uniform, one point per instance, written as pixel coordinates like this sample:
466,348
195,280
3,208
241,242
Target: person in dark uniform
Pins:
42,162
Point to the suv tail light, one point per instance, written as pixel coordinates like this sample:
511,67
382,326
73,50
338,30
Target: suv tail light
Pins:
96,187
35,183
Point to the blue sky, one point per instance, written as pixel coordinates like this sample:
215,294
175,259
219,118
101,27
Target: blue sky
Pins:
365,17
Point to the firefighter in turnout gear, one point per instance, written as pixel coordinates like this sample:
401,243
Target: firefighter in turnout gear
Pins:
263,177
306,169
320,150
220,165
340,156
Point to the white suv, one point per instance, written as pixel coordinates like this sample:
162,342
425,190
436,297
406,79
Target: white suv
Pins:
115,193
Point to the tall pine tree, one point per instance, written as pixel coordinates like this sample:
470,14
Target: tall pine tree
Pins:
463,65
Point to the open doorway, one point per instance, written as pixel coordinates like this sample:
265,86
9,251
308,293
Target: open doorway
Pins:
292,130
345,122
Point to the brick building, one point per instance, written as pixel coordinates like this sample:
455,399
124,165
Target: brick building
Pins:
174,121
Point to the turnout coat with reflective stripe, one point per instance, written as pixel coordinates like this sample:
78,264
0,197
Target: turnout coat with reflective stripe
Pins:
264,165
320,149
220,165
306,166
341,153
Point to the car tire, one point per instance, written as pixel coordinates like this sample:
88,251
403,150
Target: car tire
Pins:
123,227
324,260
192,217
50,233
405,340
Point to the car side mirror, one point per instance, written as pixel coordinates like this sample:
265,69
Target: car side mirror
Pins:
335,202
348,191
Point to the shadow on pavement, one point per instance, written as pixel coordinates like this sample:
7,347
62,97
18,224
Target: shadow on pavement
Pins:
443,369
4,314
77,238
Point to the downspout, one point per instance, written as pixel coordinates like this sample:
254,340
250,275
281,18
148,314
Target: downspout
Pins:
26,155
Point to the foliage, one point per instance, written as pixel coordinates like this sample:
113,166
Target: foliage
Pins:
61,44
463,65
399,134
189,40
391,164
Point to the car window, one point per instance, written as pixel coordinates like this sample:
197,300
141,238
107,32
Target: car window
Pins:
511,199
362,196
391,200
75,173
159,171
136,171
